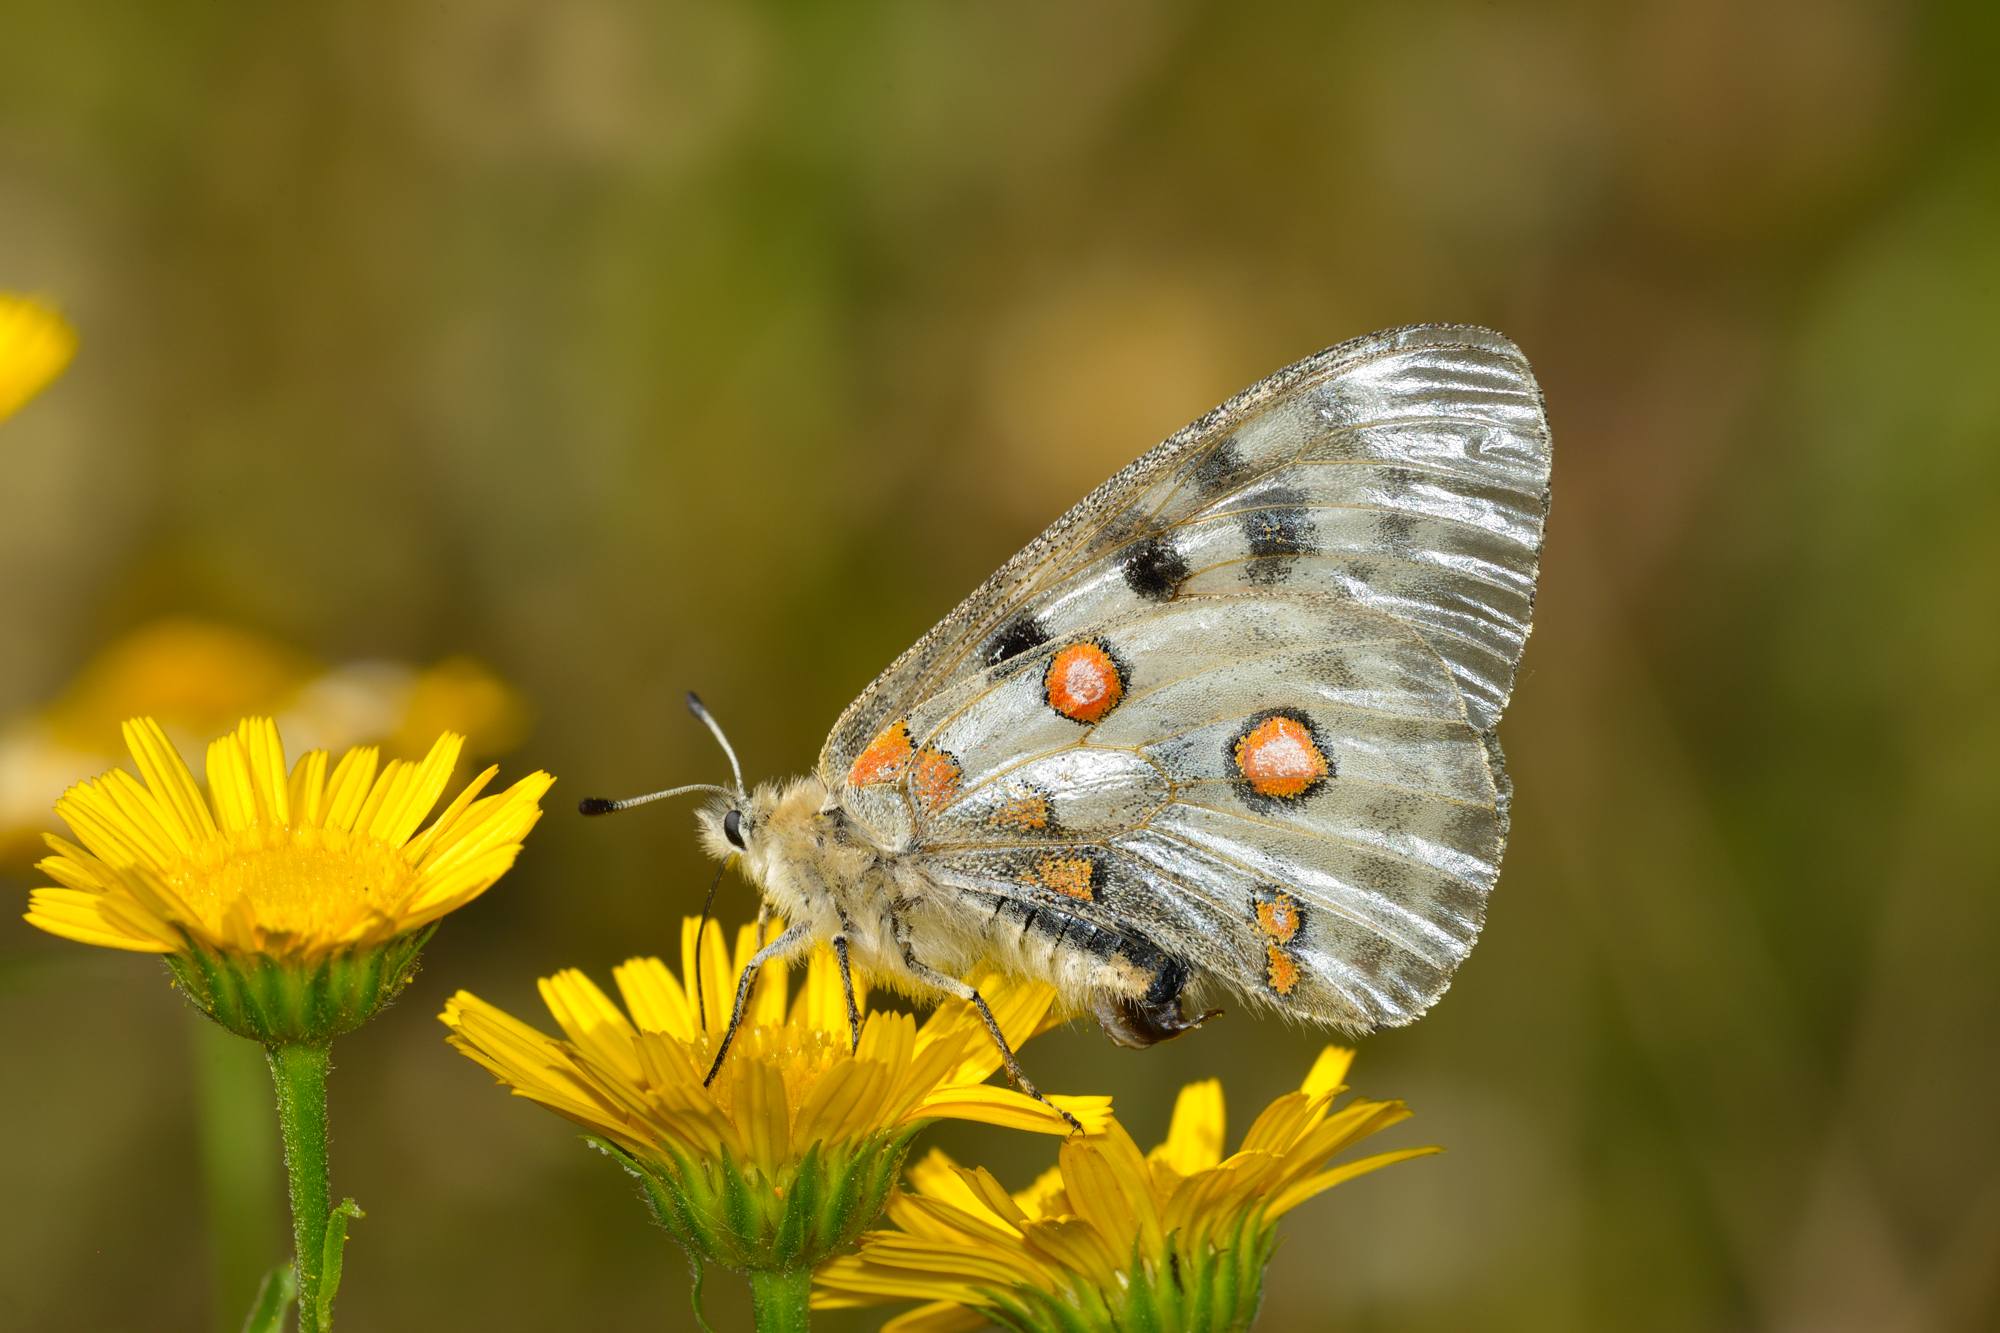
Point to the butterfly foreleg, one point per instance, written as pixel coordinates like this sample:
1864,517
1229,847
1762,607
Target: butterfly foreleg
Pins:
951,985
847,979
794,938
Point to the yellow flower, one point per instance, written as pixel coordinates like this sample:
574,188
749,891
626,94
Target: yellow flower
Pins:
794,1147
1175,1240
290,909
35,344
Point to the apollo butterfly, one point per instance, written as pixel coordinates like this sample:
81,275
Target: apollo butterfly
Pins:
1228,724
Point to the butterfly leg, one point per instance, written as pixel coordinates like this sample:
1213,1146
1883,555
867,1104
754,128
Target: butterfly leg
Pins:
930,976
847,981
789,942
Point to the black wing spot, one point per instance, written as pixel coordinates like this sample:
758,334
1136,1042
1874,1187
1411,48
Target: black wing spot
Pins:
1223,469
1023,634
1284,528
1155,570
1276,535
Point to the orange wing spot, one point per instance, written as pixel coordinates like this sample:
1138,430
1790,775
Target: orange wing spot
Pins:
1084,683
1283,973
934,781
1279,758
885,758
1023,810
1279,918
1067,875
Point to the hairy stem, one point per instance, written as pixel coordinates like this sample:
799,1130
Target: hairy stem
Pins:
778,1300
299,1069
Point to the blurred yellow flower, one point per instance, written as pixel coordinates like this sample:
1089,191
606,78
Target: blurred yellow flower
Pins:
795,1146
197,677
35,344
265,872
1175,1240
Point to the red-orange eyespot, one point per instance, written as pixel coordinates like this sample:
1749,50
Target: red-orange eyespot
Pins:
1283,973
934,781
1083,683
884,759
1279,918
1280,758
1067,875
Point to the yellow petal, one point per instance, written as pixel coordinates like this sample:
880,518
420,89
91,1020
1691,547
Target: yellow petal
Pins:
168,778
416,790
939,1317
1326,1180
1329,1073
1194,1140
655,1000
757,1105
353,778
78,915
308,789
229,784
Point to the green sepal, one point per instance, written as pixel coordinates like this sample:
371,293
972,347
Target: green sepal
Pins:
271,1000
1208,1286
275,1295
336,1245
731,1214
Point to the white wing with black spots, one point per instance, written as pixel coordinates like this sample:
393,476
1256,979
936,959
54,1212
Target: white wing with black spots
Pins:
1239,702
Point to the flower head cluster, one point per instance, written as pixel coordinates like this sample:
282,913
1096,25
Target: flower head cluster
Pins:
796,1144
1112,1239
290,906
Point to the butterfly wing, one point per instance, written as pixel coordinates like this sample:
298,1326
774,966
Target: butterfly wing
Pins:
1241,699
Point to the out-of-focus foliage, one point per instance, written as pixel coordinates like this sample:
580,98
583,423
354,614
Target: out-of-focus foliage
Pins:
631,347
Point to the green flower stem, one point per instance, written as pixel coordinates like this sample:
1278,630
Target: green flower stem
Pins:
299,1070
778,1300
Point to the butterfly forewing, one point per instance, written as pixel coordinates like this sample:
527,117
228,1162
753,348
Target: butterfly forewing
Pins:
1239,701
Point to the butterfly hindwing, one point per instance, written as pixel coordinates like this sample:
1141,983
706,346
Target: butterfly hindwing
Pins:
1239,702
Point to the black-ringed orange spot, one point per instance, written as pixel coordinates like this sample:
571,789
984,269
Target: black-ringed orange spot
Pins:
935,777
1281,973
1278,917
1083,683
1071,876
885,758
1279,757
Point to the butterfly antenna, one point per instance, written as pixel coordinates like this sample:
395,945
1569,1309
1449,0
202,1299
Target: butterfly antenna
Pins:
600,805
700,995
700,710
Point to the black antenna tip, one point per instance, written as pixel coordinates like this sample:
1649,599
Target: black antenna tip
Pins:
595,805
695,704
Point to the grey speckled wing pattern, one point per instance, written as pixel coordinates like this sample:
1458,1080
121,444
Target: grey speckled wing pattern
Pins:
1241,699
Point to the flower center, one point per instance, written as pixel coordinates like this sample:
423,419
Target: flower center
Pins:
294,881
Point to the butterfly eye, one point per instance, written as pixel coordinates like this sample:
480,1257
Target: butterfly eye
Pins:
732,829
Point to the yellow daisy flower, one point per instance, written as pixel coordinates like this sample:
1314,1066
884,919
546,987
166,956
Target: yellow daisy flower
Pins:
1175,1240
291,907
795,1146
35,344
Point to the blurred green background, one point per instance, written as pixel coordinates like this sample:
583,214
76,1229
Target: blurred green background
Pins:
635,347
